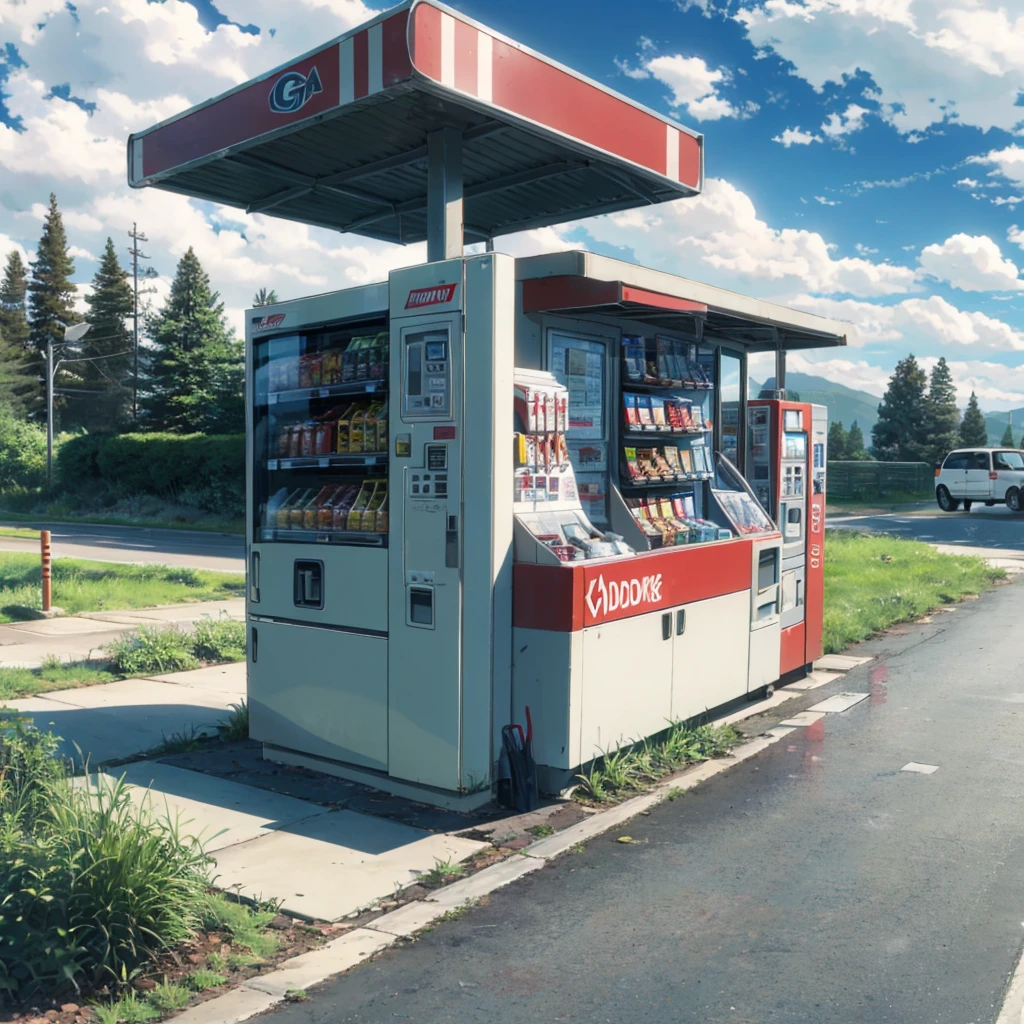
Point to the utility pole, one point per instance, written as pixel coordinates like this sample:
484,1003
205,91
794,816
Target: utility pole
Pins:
137,254
49,413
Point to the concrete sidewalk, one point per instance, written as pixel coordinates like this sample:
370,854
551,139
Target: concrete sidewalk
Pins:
79,637
322,863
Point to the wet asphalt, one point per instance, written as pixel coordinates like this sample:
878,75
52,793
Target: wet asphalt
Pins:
816,882
982,527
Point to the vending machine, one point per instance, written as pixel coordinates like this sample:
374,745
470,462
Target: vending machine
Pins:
489,489
786,467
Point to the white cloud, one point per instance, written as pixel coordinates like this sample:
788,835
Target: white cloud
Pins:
967,183
923,325
827,202
77,252
849,121
928,59
695,87
718,236
865,250
796,137
1009,162
1007,200
1016,235
972,263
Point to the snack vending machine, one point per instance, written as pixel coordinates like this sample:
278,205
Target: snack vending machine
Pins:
786,468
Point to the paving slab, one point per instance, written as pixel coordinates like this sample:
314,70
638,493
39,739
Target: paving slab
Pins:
814,680
839,702
70,625
841,662
118,720
335,863
803,718
233,608
219,812
229,679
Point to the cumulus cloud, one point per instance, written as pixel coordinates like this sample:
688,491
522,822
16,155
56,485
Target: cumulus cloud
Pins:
851,120
929,60
695,87
972,263
1008,163
796,137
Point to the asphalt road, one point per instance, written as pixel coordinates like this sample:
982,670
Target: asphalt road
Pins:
982,527
815,883
134,544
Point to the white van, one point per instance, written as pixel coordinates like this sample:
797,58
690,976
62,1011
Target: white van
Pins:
991,475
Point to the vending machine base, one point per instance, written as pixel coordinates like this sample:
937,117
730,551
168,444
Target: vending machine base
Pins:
432,795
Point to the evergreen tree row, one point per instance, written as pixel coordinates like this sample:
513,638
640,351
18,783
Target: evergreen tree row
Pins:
191,375
918,418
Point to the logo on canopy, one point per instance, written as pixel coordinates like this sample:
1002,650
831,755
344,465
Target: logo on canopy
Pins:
293,90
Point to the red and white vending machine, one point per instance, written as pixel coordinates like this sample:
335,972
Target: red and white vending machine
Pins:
786,452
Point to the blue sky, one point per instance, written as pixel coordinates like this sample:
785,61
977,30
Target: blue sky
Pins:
864,157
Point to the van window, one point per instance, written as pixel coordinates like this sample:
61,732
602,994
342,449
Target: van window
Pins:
979,460
1008,460
955,460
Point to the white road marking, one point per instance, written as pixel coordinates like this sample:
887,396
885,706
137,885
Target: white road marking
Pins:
921,769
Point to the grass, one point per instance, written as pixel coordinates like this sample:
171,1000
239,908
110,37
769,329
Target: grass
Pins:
443,871
540,831
881,502
53,675
208,524
635,768
84,586
129,1009
19,532
169,996
236,727
203,979
873,581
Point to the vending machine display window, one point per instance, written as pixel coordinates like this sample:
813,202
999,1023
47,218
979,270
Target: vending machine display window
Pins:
320,436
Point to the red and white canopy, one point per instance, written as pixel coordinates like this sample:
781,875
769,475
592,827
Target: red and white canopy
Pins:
339,136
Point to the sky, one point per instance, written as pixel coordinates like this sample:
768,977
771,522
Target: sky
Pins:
864,158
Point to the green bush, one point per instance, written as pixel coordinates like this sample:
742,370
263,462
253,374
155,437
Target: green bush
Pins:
91,888
207,471
220,639
149,649
22,452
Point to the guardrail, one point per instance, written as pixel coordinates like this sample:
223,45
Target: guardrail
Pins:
867,481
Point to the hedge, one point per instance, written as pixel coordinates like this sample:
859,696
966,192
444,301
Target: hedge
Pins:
161,464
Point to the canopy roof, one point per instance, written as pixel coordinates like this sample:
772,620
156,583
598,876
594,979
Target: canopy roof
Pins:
338,137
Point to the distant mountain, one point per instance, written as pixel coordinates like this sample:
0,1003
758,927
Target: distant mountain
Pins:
844,404
996,423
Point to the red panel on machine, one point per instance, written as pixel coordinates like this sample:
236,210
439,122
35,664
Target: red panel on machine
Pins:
627,587
545,294
794,641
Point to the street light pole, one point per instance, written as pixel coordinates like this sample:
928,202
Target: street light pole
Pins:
49,413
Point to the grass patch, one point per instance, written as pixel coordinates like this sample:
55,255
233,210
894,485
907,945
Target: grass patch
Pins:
236,727
201,980
169,996
443,871
540,831
207,524
130,1009
83,586
91,889
53,675
19,532
873,581
151,650
636,768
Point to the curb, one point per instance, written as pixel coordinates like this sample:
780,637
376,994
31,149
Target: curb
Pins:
265,991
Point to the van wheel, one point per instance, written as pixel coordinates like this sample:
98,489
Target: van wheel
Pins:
946,500
1013,499
967,504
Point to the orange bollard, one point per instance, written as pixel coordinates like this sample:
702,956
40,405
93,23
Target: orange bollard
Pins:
44,541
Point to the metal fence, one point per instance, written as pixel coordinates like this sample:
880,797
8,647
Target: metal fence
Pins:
870,480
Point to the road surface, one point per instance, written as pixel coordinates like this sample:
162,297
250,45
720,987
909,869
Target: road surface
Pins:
982,527
816,883
135,544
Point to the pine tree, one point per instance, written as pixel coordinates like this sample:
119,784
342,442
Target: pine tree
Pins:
897,436
1007,441
196,373
942,417
855,443
103,375
51,298
837,442
973,431
264,298
18,383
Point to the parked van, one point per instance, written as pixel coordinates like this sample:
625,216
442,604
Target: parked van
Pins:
991,475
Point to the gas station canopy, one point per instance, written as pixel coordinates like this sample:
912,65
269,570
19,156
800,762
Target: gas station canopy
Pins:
342,137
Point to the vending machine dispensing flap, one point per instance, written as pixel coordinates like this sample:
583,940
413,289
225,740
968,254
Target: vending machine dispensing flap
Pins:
309,583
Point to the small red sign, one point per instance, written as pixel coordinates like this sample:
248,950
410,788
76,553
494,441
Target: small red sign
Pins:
444,433
266,323
438,295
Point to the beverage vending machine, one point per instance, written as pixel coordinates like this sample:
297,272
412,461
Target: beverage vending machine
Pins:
786,453
487,484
